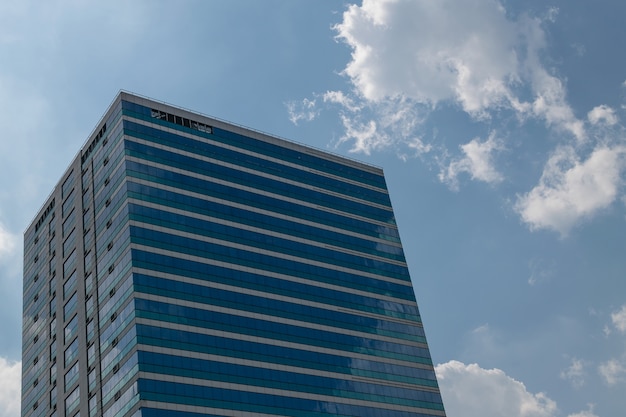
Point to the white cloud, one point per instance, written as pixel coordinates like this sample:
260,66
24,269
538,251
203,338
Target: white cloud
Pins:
477,162
464,389
472,391
551,104
375,126
619,319
575,373
602,114
340,98
435,55
304,110
8,242
571,189
366,135
613,371
466,52
418,146
10,390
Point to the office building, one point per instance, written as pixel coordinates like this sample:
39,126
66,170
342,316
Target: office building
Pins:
187,267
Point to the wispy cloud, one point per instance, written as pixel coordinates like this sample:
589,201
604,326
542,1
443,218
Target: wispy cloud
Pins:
376,126
338,97
602,114
585,413
304,110
365,135
540,271
575,373
613,371
619,319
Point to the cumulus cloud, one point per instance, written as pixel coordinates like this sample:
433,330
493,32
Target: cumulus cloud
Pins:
619,319
571,189
433,58
10,390
463,389
465,52
477,161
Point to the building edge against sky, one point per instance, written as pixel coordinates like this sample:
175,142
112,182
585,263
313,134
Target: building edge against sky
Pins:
186,266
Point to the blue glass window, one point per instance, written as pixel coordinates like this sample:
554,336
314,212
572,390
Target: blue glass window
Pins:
69,307
72,401
71,352
70,329
71,376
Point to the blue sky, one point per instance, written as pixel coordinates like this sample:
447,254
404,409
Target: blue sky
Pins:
499,124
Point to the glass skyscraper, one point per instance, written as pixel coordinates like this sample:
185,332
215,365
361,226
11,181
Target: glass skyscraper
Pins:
187,267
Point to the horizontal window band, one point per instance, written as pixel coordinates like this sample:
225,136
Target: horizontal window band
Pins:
177,314
270,403
152,258
282,287
158,197
272,226
157,149
246,379
260,305
203,341
349,222
202,242
206,180
385,374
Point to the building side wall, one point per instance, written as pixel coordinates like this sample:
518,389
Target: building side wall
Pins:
61,347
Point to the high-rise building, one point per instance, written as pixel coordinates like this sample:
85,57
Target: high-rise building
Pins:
187,267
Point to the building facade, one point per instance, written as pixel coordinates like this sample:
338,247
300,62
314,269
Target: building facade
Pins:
184,266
